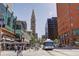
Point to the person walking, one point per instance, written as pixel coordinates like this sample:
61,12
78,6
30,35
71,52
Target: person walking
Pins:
36,47
19,52
15,47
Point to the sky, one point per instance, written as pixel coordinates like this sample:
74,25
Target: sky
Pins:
23,11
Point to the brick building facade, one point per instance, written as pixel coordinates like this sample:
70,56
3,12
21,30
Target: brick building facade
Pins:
68,23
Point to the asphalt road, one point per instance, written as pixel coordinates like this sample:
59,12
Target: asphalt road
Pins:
41,52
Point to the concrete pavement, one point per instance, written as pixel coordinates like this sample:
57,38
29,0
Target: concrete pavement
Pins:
40,52
8,53
68,52
33,52
55,52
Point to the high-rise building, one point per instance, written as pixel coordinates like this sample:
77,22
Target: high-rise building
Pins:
36,35
51,28
19,30
33,23
43,37
21,33
9,5
68,23
24,24
7,22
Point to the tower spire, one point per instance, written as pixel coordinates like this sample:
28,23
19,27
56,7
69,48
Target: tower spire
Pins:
33,21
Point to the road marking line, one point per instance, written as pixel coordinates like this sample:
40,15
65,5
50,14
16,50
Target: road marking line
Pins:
62,53
51,53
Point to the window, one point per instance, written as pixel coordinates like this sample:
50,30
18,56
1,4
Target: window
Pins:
70,4
78,14
2,8
71,17
14,24
48,43
18,26
76,32
17,36
70,11
78,8
2,23
8,21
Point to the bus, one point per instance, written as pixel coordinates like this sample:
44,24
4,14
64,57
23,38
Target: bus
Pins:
48,44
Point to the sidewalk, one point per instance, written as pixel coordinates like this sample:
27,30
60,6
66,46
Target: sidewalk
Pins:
73,52
66,48
8,53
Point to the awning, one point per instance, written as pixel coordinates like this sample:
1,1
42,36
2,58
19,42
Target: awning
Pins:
7,32
13,42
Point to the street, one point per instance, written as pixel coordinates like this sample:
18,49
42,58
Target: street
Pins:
40,52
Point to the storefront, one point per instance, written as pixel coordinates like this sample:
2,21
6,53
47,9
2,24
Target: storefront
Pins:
6,39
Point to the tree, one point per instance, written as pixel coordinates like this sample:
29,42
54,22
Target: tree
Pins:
32,41
56,41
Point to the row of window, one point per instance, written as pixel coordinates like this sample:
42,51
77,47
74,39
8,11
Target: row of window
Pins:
2,23
7,15
18,26
75,32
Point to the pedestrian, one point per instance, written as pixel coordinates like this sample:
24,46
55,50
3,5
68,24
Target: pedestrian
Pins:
19,52
18,47
36,47
15,47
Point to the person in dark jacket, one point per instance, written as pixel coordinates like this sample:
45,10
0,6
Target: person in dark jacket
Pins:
19,52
